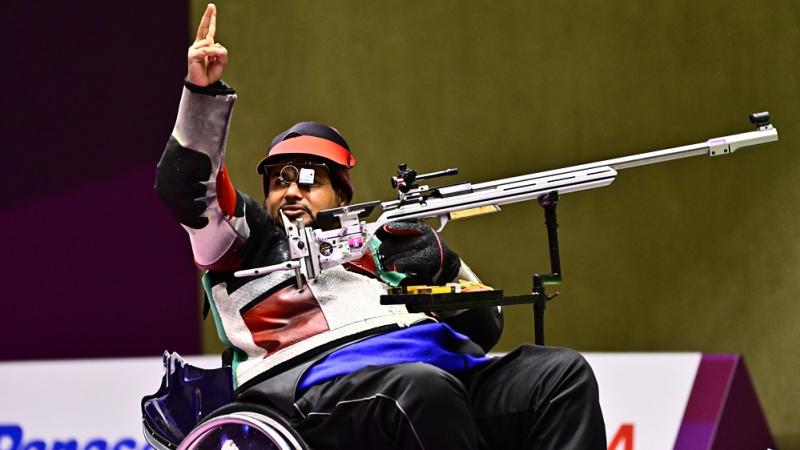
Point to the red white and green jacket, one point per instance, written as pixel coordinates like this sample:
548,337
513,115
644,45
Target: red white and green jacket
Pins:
267,321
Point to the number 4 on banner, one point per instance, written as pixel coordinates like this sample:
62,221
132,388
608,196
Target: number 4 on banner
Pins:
623,440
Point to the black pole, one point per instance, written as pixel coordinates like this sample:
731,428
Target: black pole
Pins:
539,302
551,222
549,202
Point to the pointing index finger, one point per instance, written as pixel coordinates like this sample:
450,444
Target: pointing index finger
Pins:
205,23
212,26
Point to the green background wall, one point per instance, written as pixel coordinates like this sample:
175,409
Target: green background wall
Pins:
694,255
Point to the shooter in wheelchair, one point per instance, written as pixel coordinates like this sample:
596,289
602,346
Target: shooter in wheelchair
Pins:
316,360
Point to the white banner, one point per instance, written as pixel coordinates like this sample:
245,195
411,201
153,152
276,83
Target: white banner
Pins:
78,405
94,404
643,396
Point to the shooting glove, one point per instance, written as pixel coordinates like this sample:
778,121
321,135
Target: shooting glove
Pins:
417,251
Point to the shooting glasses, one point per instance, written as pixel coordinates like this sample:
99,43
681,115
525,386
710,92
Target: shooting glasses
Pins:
284,174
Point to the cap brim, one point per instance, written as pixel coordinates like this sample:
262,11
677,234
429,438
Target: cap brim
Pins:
311,145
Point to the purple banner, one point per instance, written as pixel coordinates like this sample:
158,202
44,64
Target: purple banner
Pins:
94,266
723,412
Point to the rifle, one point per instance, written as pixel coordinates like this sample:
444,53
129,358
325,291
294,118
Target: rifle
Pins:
316,249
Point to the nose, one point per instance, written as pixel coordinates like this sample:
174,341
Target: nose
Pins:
293,192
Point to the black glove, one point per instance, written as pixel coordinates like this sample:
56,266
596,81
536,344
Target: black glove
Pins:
178,182
418,252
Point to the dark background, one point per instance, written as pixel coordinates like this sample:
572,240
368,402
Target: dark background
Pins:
94,266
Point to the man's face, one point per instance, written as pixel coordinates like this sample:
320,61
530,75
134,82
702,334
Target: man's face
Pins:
287,192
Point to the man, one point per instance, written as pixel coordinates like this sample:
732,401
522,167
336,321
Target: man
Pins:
347,371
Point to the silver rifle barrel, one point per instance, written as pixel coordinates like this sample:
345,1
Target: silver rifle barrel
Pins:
564,180
712,147
502,192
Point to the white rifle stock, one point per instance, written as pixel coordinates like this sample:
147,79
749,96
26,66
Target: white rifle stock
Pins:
314,250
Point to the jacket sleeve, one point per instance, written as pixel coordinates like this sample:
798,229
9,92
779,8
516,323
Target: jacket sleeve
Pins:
483,325
192,182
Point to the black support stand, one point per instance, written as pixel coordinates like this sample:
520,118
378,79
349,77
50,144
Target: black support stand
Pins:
540,281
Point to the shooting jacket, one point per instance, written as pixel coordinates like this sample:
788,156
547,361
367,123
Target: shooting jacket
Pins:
269,323
267,320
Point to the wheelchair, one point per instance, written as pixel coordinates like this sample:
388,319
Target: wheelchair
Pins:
194,410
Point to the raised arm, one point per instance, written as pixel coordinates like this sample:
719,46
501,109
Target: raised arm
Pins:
191,178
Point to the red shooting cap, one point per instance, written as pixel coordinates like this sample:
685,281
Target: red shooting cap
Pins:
311,138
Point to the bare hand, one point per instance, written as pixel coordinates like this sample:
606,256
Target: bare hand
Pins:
206,58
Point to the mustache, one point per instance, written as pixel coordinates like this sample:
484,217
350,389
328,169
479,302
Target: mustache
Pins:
302,206
279,219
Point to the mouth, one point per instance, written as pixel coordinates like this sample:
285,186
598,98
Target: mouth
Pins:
294,212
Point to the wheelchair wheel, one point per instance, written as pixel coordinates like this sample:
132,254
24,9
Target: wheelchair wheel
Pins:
243,427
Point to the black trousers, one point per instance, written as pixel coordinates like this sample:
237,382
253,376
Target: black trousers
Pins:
532,398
